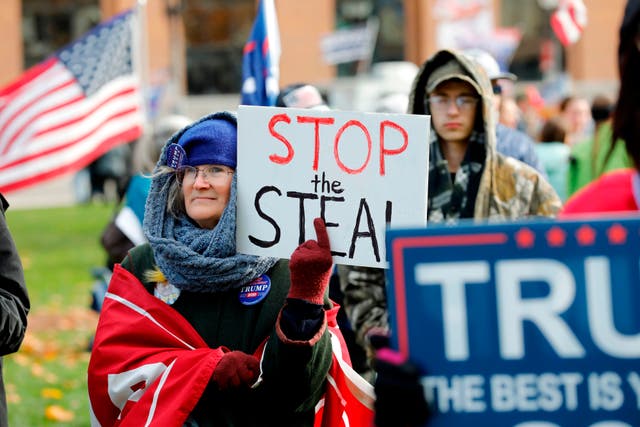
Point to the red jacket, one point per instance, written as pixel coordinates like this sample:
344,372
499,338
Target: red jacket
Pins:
616,191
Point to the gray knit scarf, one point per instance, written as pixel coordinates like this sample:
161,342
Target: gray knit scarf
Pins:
193,258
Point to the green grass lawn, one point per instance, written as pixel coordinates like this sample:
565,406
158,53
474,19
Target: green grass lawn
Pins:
46,379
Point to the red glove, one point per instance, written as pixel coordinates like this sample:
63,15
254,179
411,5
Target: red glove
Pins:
236,369
310,267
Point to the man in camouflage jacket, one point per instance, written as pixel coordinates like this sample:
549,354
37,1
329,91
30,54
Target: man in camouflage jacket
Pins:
468,178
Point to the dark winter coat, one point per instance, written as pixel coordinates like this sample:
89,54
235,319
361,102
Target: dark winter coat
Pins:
14,301
293,375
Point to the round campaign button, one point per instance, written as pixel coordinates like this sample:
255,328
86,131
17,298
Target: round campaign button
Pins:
255,291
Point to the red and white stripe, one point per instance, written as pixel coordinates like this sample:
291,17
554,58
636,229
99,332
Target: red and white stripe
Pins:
569,20
48,127
152,374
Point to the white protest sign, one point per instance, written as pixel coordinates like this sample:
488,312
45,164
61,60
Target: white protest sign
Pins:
358,171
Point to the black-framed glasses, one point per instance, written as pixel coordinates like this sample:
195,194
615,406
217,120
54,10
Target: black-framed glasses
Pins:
463,102
212,174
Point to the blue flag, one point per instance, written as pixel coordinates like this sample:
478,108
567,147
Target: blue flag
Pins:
261,58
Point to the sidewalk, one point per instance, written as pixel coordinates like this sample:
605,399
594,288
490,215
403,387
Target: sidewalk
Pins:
53,193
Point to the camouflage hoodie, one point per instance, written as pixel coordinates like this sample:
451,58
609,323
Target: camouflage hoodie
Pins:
488,186
507,188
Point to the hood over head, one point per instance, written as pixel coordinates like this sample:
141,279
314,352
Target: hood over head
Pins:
450,64
451,70
445,65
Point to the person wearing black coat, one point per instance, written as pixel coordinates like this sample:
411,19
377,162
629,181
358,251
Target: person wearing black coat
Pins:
14,301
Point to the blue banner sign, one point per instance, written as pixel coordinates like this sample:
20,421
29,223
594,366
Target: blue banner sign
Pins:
526,324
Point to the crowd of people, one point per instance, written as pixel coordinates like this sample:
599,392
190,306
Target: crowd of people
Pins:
197,332
567,142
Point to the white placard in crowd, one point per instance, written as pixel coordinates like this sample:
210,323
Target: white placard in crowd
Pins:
359,171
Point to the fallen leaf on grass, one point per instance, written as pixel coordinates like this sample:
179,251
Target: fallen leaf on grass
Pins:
58,413
26,261
37,370
31,344
52,319
12,396
51,393
50,378
20,359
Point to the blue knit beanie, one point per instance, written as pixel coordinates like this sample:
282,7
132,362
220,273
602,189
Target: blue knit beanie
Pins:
210,142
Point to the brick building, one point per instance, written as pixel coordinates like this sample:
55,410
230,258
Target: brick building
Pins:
200,41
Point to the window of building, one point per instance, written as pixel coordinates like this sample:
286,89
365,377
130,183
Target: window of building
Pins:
539,51
48,25
215,32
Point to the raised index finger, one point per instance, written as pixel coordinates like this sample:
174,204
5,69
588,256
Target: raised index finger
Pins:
321,233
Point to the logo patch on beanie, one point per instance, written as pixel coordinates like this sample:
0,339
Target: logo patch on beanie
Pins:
175,156
255,291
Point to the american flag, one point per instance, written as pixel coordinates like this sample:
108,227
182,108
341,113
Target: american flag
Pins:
66,111
569,21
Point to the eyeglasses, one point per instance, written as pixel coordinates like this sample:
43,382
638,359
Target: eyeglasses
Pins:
188,174
463,102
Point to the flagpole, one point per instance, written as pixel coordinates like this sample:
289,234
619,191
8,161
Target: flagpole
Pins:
141,53
275,51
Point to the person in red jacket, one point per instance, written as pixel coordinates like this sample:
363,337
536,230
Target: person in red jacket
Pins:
619,191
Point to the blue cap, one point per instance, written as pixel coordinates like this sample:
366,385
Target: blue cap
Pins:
210,142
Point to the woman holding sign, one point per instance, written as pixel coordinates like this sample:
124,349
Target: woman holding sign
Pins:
193,333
